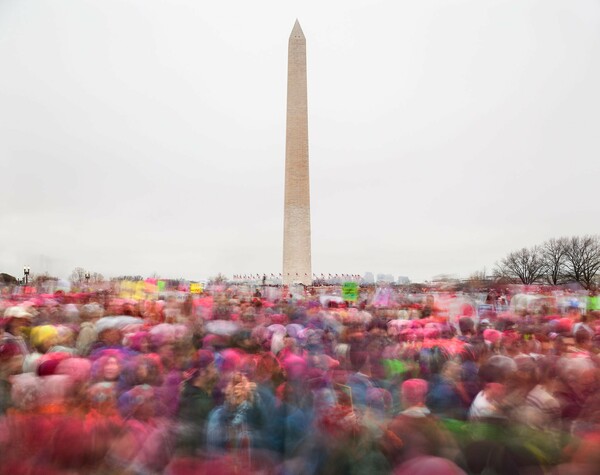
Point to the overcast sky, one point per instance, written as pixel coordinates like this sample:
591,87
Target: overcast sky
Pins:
142,136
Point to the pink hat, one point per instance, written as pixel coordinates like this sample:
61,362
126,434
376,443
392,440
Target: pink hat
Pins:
414,391
492,336
8,350
232,359
426,465
431,332
279,318
214,340
564,325
295,366
78,369
135,340
48,363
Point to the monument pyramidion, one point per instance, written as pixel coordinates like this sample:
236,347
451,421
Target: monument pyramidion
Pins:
297,267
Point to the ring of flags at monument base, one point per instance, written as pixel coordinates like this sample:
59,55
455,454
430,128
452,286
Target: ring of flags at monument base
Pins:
273,278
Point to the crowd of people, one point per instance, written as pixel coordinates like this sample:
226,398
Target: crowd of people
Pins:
234,381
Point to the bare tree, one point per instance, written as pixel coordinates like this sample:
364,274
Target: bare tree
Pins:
39,279
554,254
133,278
477,280
96,277
582,259
78,275
525,265
218,279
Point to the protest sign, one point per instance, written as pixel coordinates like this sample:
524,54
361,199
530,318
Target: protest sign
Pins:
350,291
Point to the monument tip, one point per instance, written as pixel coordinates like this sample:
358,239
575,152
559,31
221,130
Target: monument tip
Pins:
297,32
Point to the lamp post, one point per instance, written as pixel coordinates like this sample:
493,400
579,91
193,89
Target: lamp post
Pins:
87,277
26,270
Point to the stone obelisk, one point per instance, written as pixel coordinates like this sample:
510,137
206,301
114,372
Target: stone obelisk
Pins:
296,223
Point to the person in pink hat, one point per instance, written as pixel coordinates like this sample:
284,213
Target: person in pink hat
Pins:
16,320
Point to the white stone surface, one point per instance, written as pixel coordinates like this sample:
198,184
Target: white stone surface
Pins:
296,224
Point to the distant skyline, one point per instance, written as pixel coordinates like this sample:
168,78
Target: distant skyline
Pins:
143,136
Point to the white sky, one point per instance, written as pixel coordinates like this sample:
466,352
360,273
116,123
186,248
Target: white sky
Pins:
141,136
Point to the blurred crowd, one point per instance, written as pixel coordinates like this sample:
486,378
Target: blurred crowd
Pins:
234,381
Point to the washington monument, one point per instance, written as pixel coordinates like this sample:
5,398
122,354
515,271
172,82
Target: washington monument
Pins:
296,222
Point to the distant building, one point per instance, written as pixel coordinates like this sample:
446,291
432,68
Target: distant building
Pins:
389,278
403,280
368,278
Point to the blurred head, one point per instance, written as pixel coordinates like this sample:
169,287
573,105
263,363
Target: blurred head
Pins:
140,342
583,338
112,369
91,312
239,390
295,367
527,373
497,369
142,369
466,325
16,326
358,359
379,399
110,336
11,359
451,371
204,370
43,337
492,337
140,402
413,392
